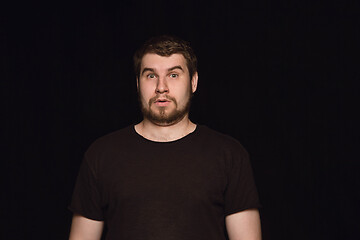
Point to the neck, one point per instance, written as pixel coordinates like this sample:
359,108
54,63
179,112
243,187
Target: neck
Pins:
167,133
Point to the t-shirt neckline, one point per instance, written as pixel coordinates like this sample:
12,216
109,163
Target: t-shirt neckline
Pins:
182,139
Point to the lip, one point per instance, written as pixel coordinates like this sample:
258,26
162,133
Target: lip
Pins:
162,102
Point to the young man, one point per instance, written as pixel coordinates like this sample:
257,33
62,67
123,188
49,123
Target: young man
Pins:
165,178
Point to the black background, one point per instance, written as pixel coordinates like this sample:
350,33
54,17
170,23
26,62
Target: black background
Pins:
280,76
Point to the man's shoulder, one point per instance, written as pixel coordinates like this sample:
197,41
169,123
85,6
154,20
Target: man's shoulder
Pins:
220,139
113,139
215,135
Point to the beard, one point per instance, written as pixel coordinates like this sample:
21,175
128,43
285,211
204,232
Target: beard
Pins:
161,115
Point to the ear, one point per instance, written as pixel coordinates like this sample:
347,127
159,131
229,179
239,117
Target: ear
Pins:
137,84
194,82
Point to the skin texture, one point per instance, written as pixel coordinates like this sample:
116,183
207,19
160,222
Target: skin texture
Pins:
167,79
244,225
85,229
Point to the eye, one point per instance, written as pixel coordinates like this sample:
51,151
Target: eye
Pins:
151,76
174,75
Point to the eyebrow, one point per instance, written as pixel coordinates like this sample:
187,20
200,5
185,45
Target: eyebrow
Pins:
169,69
147,69
176,67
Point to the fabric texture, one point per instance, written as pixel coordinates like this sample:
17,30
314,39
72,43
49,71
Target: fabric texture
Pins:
176,190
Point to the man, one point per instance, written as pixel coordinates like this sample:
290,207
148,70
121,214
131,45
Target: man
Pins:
165,177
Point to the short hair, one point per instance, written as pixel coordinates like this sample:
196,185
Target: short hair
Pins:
166,45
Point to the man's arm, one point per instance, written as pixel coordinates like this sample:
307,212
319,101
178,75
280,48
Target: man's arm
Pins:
244,225
85,229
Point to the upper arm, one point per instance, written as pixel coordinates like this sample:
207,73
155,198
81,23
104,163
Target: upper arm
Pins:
85,229
244,225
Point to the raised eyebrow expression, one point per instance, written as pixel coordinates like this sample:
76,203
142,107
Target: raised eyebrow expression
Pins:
169,69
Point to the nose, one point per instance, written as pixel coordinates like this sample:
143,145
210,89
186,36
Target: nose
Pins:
161,86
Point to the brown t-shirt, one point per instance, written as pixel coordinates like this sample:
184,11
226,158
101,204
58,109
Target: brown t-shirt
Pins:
179,190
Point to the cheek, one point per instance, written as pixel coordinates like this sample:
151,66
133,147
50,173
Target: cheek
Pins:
143,97
182,93
145,90
185,89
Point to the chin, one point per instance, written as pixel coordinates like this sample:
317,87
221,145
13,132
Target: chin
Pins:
164,118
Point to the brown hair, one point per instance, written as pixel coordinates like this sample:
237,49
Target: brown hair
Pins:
166,45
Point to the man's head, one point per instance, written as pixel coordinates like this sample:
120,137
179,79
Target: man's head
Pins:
166,79
165,46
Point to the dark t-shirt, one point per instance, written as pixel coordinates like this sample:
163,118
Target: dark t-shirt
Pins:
179,190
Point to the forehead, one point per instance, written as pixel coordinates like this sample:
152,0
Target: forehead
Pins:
155,61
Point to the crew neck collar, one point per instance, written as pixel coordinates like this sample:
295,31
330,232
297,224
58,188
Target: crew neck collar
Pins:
184,138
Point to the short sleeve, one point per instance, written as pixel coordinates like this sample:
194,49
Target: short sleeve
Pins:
241,192
86,199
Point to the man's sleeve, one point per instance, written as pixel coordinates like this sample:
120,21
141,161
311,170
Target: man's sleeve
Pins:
86,199
241,192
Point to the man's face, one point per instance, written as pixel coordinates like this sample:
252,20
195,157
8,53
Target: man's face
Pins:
165,88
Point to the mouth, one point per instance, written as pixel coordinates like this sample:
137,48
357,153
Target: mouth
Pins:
162,102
